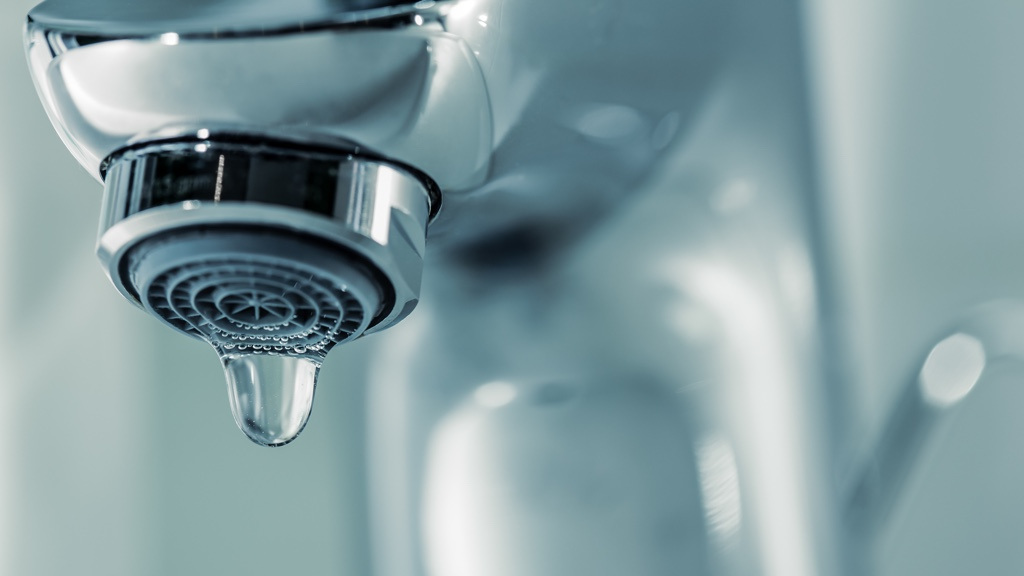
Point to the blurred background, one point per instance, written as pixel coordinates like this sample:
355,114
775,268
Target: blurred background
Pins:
118,454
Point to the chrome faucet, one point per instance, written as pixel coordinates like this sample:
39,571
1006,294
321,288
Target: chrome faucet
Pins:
624,361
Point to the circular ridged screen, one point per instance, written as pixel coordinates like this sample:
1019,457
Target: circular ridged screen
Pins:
248,303
252,292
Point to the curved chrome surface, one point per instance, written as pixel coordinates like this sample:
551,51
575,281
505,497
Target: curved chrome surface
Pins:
382,216
509,119
111,18
393,93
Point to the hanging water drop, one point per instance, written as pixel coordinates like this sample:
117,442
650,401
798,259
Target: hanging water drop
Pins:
271,395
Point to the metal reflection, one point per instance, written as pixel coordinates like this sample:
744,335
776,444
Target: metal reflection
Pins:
952,369
720,487
766,392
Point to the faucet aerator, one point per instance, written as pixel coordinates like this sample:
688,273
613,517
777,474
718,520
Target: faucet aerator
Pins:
271,254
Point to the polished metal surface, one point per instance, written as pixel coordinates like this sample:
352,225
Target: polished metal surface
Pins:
393,93
665,316
377,212
273,254
222,17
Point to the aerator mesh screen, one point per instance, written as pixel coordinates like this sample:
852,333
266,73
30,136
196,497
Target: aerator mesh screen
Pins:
254,291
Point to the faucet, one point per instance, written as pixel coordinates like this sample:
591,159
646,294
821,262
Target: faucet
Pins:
268,186
624,358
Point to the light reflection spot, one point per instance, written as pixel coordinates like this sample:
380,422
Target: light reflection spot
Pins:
952,369
495,394
609,122
719,486
170,39
734,196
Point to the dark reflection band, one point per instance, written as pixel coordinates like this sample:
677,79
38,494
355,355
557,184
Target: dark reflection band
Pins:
170,173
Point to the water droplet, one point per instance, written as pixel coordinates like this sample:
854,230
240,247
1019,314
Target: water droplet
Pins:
300,349
271,396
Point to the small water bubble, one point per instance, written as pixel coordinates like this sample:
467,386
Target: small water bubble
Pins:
300,349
